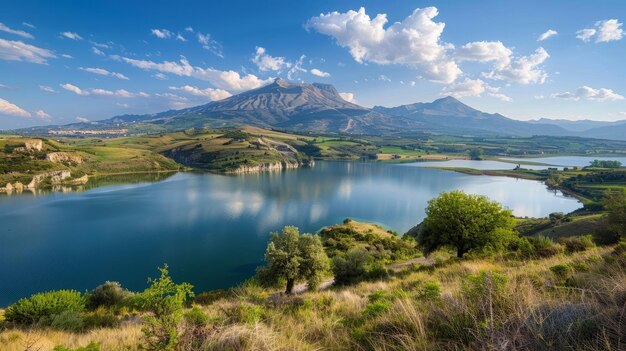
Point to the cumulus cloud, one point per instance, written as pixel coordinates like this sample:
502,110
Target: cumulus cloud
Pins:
415,41
266,62
47,89
209,44
523,70
20,33
71,35
161,33
319,73
211,94
473,87
102,92
349,97
9,109
547,34
485,51
227,80
603,31
18,51
43,115
103,72
588,93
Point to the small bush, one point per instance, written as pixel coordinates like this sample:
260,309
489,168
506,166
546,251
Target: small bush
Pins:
577,243
351,267
196,317
43,306
429,291
379,303
66,320
108,294
100,318
562,272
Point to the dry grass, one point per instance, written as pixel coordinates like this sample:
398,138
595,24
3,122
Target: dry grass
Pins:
529,312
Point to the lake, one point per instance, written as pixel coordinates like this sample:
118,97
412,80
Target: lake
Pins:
567,161
213,229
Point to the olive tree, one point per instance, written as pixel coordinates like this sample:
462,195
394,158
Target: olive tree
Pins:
292,257
465,222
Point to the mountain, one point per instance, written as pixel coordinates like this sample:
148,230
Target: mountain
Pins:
281,104
577,126
319,108
451,116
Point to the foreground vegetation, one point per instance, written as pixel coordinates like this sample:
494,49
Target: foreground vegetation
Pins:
501,291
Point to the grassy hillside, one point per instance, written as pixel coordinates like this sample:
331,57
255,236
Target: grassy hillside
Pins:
562,302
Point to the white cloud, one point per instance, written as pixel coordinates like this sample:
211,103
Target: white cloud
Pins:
585,34
485,51
384,78
102,92
209,44
179,37
102,45
9,109
349,97
211,94
18,51
97,51
103,72
43,115
547,34
414,42
71,35
67,56
604,31
296,68
28,25
47,89
20,33
160,76
523,70
473,87
266,62
189,29
319,73
82,119
227,80
161,33
174,101
588,93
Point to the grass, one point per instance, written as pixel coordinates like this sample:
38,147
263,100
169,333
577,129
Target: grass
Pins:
452,306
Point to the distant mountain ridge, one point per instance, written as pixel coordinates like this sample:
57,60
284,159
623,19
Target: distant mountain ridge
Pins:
319,108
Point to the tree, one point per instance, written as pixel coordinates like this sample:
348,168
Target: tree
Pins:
165,299
615,204
292,257
465,222
475,154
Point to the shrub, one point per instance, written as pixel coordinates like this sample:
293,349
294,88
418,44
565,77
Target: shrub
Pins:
44,306
577,243
429,291
562,272
165,299
100,318
351,267
108,294
196,317
66,320
379,303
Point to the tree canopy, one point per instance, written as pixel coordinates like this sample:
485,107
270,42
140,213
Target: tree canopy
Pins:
465,222
291,256
615,204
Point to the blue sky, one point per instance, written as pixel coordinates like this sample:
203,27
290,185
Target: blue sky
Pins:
67,61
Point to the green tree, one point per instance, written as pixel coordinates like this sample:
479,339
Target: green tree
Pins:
475,154
465,222
615,204
291,256
165,299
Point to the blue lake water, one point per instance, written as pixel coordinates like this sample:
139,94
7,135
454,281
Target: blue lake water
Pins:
212,229
485,165
568,161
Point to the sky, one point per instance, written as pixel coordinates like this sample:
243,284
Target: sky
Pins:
67,61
